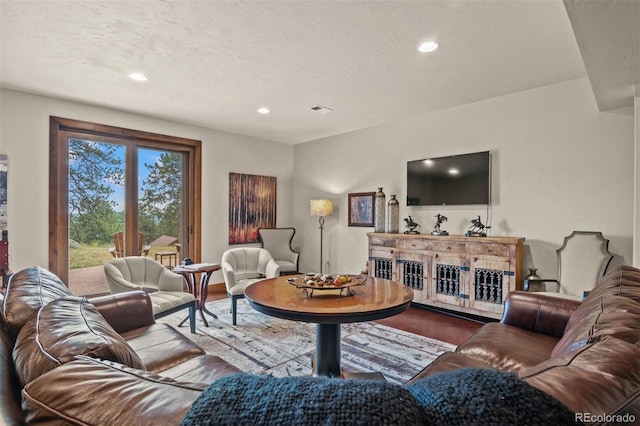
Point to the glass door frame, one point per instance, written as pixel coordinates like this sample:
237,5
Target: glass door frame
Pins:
59,131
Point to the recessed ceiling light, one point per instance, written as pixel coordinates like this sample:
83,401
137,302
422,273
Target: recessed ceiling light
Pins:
321,109
454,171
263,110
138,76
428,46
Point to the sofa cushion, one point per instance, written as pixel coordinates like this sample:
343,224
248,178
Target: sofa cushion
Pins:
448,361
88,391
65,328
598,318
524,348
603,377
261,399
482,396
620,281
160,346
611,309
201,369
26,292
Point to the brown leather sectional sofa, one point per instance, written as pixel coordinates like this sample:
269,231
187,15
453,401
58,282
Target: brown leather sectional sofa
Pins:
105,361
134,371
585,354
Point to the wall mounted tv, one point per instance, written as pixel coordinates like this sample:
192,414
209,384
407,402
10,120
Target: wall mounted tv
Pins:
455,180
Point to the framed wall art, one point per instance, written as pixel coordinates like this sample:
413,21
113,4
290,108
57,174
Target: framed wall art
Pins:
361,209
252,205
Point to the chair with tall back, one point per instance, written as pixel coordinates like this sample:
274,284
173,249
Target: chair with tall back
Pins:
278,242
118,245
243,266
582,260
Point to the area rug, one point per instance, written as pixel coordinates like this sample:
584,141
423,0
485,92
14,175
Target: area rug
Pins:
263,344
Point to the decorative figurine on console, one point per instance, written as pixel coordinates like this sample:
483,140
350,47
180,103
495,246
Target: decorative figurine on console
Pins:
411,225
436,229
477,229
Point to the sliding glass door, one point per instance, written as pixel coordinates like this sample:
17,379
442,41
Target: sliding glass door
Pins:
125,195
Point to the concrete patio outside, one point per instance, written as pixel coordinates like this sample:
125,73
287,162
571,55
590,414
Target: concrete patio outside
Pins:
88,281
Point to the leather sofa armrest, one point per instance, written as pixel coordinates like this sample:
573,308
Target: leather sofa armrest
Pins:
538,313
125,311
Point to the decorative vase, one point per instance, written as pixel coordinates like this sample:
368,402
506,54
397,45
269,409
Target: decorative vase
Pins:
378,220
532,274
393,216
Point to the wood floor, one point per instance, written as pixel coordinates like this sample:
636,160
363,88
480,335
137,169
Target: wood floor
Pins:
417,320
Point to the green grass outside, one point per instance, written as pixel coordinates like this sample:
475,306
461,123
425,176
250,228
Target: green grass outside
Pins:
87,255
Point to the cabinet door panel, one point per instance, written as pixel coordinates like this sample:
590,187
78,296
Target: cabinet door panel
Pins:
412,270
489,284
448,281
381,264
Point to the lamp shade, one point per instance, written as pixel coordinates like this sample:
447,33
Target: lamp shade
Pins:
321,207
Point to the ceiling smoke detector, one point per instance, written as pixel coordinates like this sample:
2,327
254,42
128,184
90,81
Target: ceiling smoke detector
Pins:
321,109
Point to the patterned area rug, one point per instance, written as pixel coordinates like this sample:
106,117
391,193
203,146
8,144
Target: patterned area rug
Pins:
263,344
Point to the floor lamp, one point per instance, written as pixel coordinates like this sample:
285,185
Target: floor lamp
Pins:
321,208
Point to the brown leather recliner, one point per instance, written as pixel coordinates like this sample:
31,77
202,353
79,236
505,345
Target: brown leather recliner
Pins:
98,361
585,354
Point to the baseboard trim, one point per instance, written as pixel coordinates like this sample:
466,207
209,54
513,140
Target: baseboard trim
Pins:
463,315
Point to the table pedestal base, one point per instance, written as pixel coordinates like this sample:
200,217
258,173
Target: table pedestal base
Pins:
328,350
201,295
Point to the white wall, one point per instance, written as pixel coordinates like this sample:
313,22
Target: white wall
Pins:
636,217
24,137
558,165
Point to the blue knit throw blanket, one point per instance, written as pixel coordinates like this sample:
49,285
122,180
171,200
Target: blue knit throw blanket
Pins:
462,397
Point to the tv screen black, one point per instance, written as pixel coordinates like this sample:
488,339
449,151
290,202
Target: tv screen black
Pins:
454,180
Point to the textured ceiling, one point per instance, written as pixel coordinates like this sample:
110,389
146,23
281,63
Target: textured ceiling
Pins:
608,34
213,63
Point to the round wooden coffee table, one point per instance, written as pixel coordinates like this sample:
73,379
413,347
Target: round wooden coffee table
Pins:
377,298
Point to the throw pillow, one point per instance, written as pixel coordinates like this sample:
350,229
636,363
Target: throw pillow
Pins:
483,396
26,292
266,400
63,329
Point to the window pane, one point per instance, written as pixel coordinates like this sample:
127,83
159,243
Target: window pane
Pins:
96,210
160,191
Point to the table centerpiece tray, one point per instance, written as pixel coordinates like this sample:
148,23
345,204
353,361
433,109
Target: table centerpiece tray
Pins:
342,283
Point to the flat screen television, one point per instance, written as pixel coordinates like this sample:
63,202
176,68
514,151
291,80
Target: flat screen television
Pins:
454,180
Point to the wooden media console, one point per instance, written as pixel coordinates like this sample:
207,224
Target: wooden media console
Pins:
466,274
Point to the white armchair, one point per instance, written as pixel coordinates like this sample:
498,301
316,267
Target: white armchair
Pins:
165,288
242,267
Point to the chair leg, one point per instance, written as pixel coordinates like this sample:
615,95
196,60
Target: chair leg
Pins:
234,305
192,318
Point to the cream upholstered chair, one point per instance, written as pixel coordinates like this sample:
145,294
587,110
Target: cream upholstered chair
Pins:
242,267
278,242
165,288
582,260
